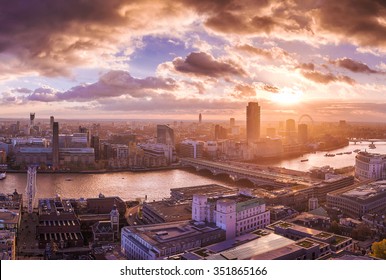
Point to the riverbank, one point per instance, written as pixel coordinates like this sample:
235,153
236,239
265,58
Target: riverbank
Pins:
100,171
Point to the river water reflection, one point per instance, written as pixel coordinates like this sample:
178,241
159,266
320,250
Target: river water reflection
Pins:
156,185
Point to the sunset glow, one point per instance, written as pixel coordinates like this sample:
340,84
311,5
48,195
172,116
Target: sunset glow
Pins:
141,59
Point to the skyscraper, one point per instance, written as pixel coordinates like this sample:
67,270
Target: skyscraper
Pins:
55,146
165,134
199,118
31,123
52,122
232,122
302,133
253,122
290,130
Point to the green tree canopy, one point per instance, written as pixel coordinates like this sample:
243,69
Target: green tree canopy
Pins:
379,249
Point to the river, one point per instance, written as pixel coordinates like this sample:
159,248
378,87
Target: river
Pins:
157,184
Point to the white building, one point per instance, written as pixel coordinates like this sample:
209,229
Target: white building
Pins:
237,214
370,166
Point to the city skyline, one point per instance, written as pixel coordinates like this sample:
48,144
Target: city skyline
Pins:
177,59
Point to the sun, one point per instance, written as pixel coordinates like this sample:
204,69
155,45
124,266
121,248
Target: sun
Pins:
287,96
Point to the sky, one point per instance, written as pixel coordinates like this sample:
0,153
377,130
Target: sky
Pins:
175,59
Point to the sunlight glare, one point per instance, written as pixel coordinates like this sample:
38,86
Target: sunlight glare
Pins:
287,96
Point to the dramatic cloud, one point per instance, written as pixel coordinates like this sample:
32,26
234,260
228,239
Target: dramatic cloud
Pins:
322,78
203,64
354,66
111,84
52,36
270,88
361,21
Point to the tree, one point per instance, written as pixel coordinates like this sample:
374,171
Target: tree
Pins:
362,232
379,249
335,228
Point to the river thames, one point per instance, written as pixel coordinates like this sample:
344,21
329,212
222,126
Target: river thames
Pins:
157,184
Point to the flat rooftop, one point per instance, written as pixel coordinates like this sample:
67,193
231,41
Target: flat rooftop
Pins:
251,249
170,234
209,190
367,191
171,211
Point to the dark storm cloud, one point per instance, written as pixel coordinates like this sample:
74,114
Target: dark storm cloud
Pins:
358,20
353,66
203,64
45,34
353,21
323,78
111,84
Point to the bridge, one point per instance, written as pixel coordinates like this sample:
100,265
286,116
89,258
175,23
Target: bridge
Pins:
358,140
236,173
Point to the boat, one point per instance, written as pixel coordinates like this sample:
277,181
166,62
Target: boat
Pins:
3,175
329,155
348,153
372,146
339,154
356,150
68,179
303,160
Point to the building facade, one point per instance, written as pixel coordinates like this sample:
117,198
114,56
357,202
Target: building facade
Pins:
367,197
370,166
253,122
237,214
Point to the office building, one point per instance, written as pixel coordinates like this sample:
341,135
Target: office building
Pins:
290,130
359,199
165,135
55,146
302,133
237,214
253,122
232,122
159,241
191,148
52,120
370,166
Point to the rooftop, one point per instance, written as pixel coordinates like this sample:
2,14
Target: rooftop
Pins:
209,190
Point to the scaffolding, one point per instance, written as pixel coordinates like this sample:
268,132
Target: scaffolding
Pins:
31,187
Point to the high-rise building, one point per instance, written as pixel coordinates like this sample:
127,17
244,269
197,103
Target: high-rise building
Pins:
165,135
232,122
290,130
200,118
55,146
52,122
302,133
220,132
31,122
253,122
95,143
